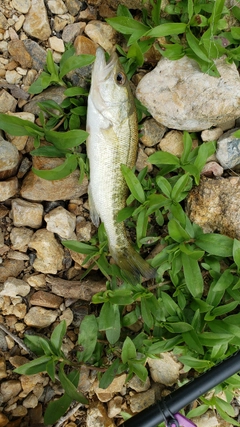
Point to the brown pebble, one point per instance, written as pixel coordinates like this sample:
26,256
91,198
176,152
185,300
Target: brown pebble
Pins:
45,299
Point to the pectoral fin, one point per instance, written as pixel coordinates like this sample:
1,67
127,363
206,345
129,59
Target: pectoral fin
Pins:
93,212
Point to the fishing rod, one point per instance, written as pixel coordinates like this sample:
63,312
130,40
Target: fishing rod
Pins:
167,409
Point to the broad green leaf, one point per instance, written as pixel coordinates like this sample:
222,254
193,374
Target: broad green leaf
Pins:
76,61
80,247
74,122
128,350
196,412
50,368
146,313
215,244
169,304
190,9
205,150
164,186
165,345
139,369
223,309
43,81
75,91
236,252
172,51
210,339
63,140
224,281
114,369
193,275
179,187
56,409
178,327
125,213
164,30
51,66
33,367
32,342
190,251
65,169
46,346
70,388
58,334
195,363
80,110
177,232
133,184
123,11
122,297
187,143
18,127
48,151
163,158
191,338
127,25
195,46
135,51
106,317
87,337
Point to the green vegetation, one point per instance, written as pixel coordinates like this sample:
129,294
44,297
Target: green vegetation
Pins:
198,29
192,307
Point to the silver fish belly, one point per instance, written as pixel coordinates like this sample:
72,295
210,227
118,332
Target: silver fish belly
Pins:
112,141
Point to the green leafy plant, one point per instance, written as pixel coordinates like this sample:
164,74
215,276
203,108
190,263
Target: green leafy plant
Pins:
56,74
51,359
196,29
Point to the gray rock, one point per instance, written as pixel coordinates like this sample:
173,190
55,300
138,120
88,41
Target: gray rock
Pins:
211,134
101,33
8,188
15,287
7,102
180,96
26,213
215,205
9,159
40,317
21,5
172,143
62,222
74,6
20,237
71,31
140,401
10,389
55,93
152,132
49,252
36,23
228,149
57,7
38,54
164,370
10,267
36,188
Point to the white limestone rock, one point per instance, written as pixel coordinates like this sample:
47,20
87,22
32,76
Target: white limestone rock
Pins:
179,96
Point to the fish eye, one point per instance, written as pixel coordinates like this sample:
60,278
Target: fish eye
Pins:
120,78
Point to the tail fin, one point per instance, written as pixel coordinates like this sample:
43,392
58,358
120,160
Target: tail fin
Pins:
130,261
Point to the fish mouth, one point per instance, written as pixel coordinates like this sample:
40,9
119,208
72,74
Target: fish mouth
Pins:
103,69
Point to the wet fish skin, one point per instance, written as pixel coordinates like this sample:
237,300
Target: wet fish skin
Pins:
112,141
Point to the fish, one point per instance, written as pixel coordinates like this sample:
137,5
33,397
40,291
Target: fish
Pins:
113,140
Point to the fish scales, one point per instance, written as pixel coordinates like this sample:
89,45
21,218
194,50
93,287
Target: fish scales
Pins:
112,141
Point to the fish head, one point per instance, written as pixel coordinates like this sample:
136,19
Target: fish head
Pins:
109,87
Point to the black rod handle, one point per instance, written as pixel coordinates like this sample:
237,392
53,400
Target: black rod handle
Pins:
154,415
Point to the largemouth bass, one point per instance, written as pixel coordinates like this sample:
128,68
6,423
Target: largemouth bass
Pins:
112,141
